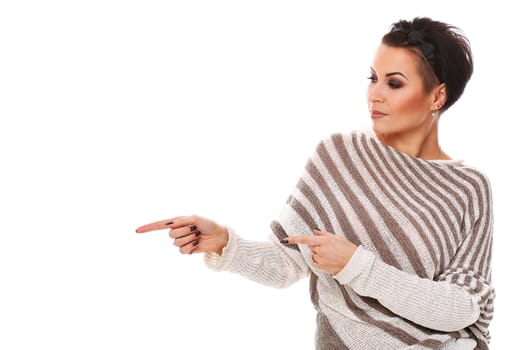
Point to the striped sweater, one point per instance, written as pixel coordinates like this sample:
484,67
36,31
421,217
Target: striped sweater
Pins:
420,277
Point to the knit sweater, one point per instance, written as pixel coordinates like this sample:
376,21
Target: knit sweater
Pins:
420,277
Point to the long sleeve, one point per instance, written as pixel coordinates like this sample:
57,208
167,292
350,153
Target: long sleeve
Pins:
265,262
471,270
438,305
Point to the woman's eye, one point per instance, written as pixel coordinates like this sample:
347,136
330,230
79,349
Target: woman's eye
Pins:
394,84
372,78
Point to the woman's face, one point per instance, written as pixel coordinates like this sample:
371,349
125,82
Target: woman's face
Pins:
397,101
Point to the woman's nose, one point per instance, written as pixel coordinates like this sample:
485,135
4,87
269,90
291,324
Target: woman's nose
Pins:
374,94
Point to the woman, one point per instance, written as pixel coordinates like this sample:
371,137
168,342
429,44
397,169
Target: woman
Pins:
394,234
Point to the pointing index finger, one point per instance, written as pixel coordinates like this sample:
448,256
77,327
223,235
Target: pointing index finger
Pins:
308,240
164,224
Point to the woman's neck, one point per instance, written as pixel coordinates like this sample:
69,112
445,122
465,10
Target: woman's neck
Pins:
417,143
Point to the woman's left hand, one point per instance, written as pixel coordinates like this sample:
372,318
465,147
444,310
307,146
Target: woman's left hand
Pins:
330,253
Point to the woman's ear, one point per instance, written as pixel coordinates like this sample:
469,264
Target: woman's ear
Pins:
440,96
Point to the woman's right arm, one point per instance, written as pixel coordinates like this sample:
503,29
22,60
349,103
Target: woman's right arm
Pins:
266,262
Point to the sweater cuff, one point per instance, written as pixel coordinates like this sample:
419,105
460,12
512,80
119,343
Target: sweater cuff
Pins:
218,262
358,263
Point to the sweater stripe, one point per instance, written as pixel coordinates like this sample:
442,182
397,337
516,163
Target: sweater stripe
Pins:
402,194
435,216
397,197
370,225
336,206
303,213
280,233
396,332
392,223
318,207
427,185
326,337
430,183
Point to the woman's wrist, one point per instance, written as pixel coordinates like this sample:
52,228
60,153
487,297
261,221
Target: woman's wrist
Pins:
223,237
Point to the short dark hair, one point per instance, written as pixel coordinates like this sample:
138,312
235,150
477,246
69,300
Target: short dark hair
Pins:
444,50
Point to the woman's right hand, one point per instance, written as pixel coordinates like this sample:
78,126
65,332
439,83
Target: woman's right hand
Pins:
192,234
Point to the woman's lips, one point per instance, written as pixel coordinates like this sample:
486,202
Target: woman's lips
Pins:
377,114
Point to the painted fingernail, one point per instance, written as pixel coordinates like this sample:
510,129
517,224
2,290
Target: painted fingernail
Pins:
193,228
194,243
197,233
284,241
169,223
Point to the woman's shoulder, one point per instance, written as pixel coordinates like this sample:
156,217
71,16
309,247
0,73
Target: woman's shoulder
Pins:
343,148
364,141
348,137
476,176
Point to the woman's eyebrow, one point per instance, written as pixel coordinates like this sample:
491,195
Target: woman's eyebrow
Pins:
396,73
389,74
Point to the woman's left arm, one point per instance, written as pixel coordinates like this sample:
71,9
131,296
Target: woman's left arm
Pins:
457,299
439,305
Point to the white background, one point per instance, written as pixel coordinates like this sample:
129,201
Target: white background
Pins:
118,113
